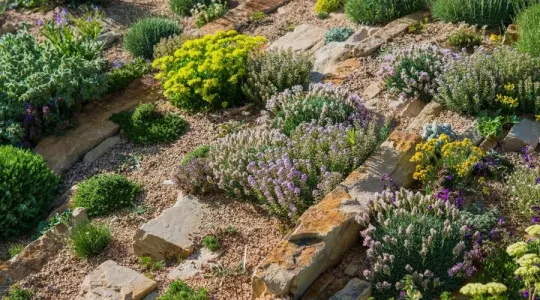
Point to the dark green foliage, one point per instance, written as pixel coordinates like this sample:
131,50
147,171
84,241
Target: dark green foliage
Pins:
528,23
498,266
493,13
337,34
119,77
211,242
147,126
47,225
27,189
17,293
90,239
380,11
178,290
146,33
199,152
105,194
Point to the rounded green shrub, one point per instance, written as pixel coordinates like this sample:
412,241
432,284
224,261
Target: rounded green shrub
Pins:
327,5
104,194
380,11
27,189
492,13
528,23
146,33
211,242
146,125
89,239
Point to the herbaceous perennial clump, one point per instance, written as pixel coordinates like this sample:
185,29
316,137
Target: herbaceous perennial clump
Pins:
412,72
474,12
146,33
417,236
268,73
372,12
207,73
466,36
322,103
524,186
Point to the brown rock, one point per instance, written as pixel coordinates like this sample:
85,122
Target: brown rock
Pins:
356,289
430,112
318,287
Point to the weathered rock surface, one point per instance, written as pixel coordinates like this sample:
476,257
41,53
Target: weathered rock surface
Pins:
356,289
60,152
305,38
109,38
410,108
168,237
101,149
111,281
318,287
428,114
328,229
526,132
195,264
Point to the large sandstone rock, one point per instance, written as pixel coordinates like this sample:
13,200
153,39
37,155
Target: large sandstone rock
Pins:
168,237
328,229
304,38
356,289
327,58
525,133
111,281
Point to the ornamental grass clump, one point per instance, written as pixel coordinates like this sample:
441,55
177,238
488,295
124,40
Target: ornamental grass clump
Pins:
528,24
412,72
505,79
337,34
289,179
322,103
207,73
410,234
141,38
27,190
90,239
493,13
268,73
371,12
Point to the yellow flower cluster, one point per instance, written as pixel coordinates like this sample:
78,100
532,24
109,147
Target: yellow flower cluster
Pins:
507,100
496,38
478,289
533,230
206,72
456,157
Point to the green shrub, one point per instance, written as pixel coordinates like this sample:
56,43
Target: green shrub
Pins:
337,34
146,33
466,37
15,249
272,72
178,290
27,189
199,152
168,45
17,293
328,5
146,125
207,73
122,75
323,15
104,194
505,79
492,13
150,264
498,266
528,23
90,239
206,13
211,242
372,12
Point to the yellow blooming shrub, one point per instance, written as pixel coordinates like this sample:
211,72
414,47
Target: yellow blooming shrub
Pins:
527,256
455,158
488,291
207,73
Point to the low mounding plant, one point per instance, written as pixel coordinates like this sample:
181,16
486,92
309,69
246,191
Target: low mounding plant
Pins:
268,73
180,290
211,242
104,194
417,236
524,187
90,239
27,189
168,45
528,23
184,7
146,33
412,72
207,73
199,152
322,103
372,12
121,75
287,180
505,79
434,131
493,13
146,125
328,5
466,36
206,13
337,34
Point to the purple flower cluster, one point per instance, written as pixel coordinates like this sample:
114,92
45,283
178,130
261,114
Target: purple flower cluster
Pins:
528,157
447,195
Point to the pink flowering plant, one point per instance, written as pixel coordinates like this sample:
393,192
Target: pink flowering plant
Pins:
409,234
412,72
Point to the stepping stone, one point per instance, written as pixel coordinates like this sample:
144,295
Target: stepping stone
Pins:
525,133
356,289
101,149
304,38
194,265
111,281
168,237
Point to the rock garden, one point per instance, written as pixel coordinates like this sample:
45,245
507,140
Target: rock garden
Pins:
269,149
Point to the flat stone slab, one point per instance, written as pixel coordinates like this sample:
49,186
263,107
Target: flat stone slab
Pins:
60,152
355,289
525,133
101,149
111,281
304,38
168,237
328,229
195,264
